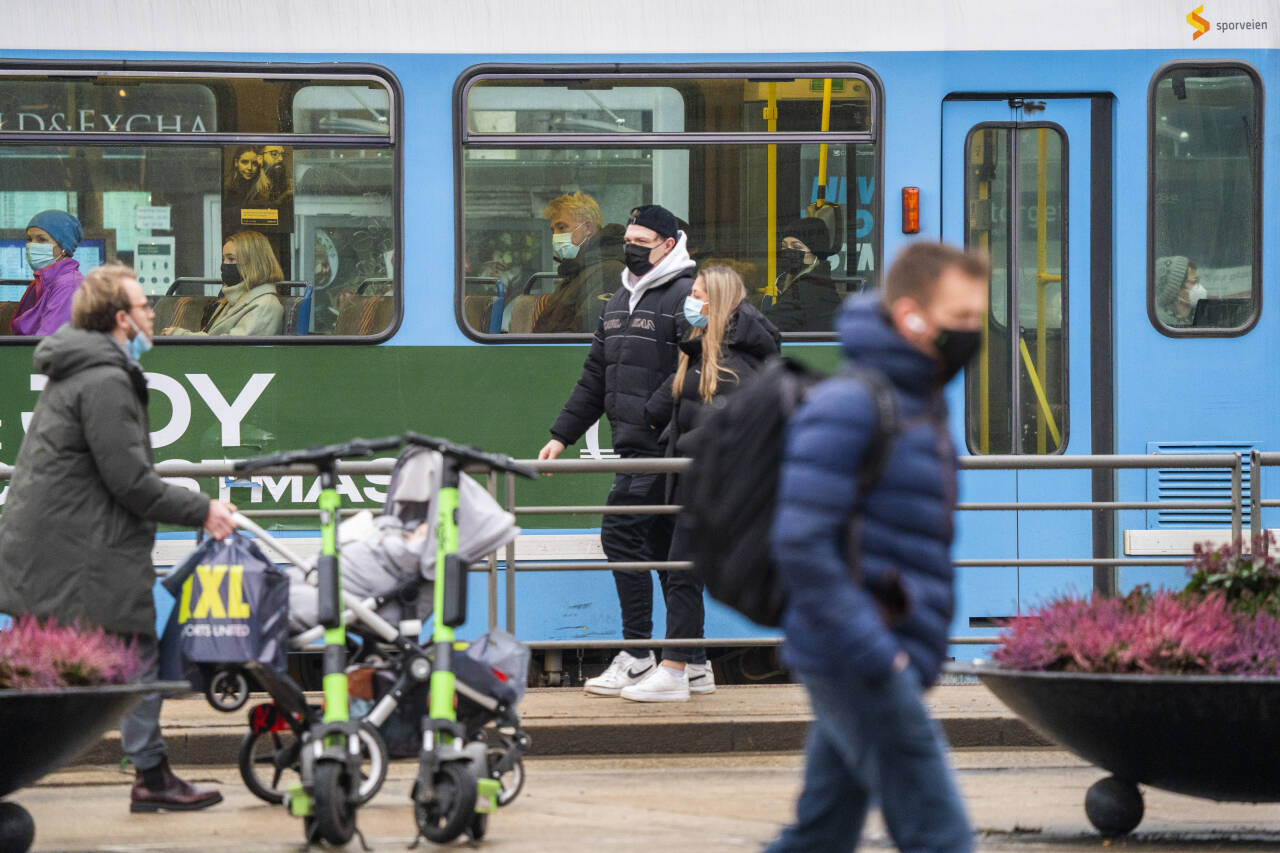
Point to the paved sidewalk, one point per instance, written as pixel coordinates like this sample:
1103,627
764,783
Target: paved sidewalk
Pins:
564,721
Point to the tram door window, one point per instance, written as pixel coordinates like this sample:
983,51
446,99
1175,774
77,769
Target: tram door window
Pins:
737,160
1015,211
1206,169
169,186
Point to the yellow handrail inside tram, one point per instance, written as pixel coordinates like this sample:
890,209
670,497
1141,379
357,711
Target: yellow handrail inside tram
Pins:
771,118
1039,389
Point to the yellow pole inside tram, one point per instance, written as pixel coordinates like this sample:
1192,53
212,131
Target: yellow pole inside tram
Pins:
771,118
1041,250
822,148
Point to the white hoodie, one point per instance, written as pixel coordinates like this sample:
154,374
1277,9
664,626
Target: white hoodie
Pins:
675,262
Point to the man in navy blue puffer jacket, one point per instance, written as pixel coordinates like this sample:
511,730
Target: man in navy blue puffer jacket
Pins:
867,631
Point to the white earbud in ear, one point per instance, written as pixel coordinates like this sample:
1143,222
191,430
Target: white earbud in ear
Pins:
914,323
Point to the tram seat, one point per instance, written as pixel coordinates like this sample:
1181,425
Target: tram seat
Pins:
296,298
475,310
524,312
7,310
186,312
365,314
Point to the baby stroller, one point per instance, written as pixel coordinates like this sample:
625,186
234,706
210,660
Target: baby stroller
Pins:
388,566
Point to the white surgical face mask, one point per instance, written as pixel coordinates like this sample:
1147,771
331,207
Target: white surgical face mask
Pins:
139,343
39,255
562,245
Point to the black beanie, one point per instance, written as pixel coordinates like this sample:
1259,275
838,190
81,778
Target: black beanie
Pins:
656,218
813,233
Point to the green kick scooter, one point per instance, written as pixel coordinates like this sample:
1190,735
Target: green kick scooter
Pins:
327,793
455,791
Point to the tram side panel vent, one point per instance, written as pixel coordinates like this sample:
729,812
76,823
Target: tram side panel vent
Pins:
1195,484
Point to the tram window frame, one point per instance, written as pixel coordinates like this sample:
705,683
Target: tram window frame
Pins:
464,140
1256,211
210,73
1064,285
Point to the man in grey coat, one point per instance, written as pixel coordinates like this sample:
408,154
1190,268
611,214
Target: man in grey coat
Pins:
80,519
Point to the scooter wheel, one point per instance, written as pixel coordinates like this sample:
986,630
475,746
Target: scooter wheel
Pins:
227,690
268,763
507,766
479,826
335,813
452,806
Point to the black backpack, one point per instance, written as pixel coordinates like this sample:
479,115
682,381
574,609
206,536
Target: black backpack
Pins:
732,485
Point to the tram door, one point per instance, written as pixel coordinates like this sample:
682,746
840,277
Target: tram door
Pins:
1016,185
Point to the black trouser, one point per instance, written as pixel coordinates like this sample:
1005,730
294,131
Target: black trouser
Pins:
643,538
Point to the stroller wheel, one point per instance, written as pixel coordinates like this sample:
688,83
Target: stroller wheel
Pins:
269,763
335,813
227,690
452,806
506,764
373,763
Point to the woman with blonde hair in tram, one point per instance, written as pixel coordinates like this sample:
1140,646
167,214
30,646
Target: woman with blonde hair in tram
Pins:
249,304
726,342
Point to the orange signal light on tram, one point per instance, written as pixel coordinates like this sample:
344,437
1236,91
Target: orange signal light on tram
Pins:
910,210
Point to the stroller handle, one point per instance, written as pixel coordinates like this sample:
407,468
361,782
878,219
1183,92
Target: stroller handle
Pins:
465,453
320,456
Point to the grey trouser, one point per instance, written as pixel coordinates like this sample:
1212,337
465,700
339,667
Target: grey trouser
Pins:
140,728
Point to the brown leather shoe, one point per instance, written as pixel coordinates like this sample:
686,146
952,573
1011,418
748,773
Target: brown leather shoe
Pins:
168,792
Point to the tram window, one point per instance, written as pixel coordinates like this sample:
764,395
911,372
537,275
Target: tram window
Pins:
1015,211
168,201
1205,145
526,170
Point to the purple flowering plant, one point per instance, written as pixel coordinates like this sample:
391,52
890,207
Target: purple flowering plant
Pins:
1225,622
43,654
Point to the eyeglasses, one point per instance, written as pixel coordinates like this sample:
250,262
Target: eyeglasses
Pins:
146,306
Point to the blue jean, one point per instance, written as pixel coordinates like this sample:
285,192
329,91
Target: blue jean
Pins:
869,739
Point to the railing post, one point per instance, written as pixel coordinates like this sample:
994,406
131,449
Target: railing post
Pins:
509,504
1256,527
491,483
1237,503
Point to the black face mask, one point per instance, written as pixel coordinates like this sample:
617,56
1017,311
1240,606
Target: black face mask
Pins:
231,275
637,259
956,348
791,260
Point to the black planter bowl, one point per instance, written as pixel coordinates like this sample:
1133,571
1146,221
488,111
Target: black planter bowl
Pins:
45,729
1211,736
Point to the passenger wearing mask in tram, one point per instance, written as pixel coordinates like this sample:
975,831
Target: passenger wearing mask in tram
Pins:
242,180
726,341
1178,290
590,263
52,237
632,357
249,304
807,299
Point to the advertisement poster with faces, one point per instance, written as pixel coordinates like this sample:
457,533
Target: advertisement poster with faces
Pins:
257,188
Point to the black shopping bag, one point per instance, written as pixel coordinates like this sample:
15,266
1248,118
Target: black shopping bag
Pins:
232,606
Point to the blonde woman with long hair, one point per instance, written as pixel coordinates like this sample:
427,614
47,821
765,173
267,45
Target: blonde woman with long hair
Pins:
250,305
726,343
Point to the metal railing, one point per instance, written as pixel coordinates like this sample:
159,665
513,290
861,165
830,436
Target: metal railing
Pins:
502,487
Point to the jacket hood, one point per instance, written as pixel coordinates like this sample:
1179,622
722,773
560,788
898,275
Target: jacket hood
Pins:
750,333
69,351
867,337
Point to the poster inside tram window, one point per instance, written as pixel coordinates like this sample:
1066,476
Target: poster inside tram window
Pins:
257,188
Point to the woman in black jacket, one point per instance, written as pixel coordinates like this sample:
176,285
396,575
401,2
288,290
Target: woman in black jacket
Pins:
726,342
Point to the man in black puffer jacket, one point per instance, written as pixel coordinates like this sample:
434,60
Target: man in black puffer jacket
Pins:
633,355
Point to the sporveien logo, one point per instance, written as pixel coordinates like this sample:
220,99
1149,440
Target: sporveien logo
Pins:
1200,24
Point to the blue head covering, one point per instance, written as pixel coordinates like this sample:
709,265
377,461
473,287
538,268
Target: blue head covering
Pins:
61,226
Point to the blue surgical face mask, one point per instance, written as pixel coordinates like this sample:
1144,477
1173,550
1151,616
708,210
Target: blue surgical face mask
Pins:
39,255
693,312
139,343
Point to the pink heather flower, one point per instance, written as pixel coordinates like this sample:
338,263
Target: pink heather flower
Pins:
36,654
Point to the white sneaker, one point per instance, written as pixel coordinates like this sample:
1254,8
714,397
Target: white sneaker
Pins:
661,685
701,678
626,669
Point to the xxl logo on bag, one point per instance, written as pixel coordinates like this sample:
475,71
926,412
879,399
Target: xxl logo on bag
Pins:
210,604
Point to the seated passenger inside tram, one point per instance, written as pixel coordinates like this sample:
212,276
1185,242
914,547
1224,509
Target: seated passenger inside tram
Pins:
52,237
807,299
249,304
1178,290
590,264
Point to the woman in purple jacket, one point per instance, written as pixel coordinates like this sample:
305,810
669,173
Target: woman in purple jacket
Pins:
52,237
